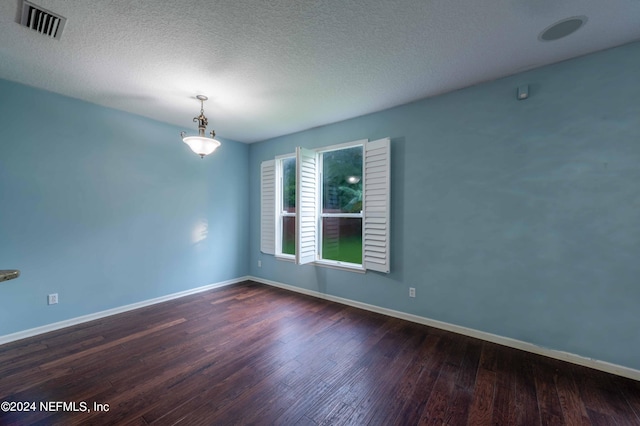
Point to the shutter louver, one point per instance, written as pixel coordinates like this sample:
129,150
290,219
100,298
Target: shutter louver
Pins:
306,201
268,207
377,161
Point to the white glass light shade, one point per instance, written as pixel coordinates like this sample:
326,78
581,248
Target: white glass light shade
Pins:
201,145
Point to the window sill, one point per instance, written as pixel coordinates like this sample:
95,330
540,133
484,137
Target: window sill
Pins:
340,265
286,257
351,267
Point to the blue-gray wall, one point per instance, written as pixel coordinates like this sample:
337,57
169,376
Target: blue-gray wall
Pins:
518,218
106,209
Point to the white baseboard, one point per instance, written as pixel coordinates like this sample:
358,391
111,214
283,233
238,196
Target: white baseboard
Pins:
90,317
505,341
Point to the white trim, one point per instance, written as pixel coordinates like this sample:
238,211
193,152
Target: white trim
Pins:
336,264
339,146
280,214
285,156
286,257
607,367
114,311
319,192
345,215
320,259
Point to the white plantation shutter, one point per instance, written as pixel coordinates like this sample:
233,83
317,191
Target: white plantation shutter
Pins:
306,205
268,207
377,168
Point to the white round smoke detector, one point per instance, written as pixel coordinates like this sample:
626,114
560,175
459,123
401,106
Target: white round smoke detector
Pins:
562,28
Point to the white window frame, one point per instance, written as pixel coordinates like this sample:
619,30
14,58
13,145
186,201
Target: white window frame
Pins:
280,214
375,212
321,216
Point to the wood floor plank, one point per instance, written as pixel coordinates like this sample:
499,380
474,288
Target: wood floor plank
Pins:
431,364
612,392
481,411
548,401
384,362
435,409
504,388
458,411
254,354
631,391
406,386
525,405
573,409
69,359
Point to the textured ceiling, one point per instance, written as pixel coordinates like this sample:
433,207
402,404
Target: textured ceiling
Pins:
280,66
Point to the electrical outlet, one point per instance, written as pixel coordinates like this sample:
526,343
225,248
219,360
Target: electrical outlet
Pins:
53,298
259,263
412,292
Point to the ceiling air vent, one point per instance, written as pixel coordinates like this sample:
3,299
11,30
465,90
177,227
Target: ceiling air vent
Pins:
42,20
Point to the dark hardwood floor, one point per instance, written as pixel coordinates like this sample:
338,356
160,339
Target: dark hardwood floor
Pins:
253,354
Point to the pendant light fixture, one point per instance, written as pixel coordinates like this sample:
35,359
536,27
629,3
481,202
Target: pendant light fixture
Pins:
201,144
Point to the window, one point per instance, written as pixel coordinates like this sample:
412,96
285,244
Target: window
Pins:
341,205
339,215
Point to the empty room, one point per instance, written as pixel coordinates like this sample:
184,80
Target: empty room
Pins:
319,212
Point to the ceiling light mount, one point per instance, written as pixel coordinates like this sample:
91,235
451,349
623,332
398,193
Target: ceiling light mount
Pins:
201,144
